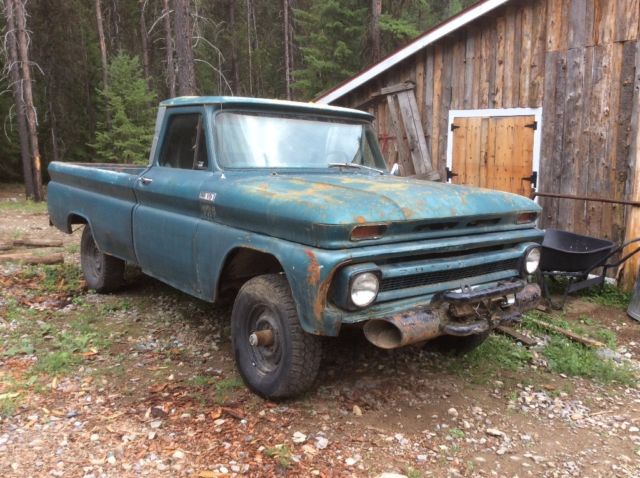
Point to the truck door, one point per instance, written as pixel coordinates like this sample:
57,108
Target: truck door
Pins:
168,212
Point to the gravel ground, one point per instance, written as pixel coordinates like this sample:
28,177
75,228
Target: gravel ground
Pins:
154,393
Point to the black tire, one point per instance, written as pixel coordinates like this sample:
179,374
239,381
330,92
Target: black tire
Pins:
453,345
290,365
102,272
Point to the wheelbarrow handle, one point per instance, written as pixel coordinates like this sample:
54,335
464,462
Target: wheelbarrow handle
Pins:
602,262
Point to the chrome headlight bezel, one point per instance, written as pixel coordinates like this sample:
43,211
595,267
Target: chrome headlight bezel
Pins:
531,260
368,284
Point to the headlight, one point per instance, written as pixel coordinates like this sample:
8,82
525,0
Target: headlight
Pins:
364,289
531,260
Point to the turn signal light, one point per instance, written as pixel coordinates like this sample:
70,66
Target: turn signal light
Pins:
526,217
373,231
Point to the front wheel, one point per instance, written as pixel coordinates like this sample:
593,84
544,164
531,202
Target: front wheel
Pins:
102,272
274,355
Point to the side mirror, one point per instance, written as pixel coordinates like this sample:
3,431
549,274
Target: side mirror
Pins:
395,169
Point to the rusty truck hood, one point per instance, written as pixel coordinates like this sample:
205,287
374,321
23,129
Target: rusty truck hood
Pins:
322,209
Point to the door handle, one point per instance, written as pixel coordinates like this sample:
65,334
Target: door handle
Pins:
144,181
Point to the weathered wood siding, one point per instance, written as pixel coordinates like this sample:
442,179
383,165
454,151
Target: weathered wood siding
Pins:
577,59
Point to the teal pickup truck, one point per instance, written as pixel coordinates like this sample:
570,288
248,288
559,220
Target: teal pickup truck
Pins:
288,209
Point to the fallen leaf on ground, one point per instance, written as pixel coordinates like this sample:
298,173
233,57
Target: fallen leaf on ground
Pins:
157,388
6,396
210,474
234,413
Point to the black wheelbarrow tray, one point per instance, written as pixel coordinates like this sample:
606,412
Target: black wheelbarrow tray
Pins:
576,257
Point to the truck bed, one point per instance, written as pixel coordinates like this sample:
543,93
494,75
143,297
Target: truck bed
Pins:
100,194
135,169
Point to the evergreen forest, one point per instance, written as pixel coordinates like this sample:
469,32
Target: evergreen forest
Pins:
81,79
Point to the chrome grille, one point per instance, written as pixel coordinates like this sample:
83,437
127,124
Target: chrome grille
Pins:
430,278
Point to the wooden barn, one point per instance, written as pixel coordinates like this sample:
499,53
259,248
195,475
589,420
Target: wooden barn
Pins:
529,96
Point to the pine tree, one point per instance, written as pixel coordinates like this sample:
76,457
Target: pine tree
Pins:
331,44
131,106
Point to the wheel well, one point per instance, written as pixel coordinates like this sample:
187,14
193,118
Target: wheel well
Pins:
240,266
75,219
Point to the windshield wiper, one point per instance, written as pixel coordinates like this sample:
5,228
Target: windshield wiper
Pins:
355,165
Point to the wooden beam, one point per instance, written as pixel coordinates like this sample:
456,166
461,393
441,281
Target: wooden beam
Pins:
56,258
514,334
35,242
387,90
413,127
587,198
406,168
567,333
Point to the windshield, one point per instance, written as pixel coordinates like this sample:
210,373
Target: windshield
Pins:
248,140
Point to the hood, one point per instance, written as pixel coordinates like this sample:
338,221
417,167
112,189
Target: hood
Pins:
322,209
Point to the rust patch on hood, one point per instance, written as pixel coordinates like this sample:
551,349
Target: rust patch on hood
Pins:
360,219
408,212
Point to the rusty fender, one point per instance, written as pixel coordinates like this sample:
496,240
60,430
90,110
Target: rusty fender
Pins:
425,323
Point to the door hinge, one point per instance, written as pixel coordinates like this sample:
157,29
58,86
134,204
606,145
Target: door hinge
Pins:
533,126
454,127
533,179
450,174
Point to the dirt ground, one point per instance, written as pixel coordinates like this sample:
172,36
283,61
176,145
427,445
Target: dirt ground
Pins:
148,388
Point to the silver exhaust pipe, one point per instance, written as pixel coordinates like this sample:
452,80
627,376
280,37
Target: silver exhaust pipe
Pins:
402,329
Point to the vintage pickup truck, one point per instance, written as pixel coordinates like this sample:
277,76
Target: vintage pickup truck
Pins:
289,209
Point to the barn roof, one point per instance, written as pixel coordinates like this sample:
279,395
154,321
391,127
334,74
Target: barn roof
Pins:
427,38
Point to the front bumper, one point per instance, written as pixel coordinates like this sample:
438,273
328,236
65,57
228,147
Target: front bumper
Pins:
458,313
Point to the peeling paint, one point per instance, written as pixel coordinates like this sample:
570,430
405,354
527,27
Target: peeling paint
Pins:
313,271
408,212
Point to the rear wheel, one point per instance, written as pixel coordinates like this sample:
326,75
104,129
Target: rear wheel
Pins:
274,355
102,272
454,345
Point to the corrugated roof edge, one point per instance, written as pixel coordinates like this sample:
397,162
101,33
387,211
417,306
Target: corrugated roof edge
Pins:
271,104
430,36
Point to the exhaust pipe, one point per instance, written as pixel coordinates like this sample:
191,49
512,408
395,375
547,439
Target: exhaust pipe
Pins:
403,329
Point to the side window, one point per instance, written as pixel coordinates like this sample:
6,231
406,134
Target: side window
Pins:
184,143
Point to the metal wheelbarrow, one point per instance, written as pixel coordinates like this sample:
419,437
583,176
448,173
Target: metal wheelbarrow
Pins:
576,257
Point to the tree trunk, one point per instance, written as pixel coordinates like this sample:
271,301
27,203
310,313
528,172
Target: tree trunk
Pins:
249,47
32,121
55,152
18,97
287,54
171,70
144,39
235,72
184,50
103,58
258,82
114,33
374,30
